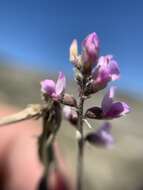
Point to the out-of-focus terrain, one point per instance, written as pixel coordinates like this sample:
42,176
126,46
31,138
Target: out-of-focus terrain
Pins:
118,168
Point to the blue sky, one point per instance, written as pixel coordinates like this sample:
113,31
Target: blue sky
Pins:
39,32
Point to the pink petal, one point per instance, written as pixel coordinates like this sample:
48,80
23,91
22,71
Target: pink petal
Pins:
118,109
102,72
101,61
114,70
61,83
127,109
108,100
48,86
91,43
108,65
90,47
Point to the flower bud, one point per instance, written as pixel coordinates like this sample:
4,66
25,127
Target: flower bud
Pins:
94,113
70,114
69,100
74,57
90,52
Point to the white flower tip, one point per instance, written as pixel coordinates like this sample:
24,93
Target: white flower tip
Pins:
73,50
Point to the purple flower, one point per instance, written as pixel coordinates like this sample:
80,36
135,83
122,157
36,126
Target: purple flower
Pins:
109,109
52,89
70,114
102,137
90,52
106,70
113,109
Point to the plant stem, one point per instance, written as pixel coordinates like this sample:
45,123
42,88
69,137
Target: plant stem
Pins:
31,111
80,144
51,123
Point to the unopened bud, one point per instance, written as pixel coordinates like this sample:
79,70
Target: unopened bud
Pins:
90,52
94,113
70,114
69,100
74,57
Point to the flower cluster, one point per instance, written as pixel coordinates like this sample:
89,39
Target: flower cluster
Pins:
100,70
96,72
92,73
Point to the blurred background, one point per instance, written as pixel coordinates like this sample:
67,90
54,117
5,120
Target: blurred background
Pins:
34,44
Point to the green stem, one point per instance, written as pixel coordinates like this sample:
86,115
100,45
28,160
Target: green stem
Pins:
80,144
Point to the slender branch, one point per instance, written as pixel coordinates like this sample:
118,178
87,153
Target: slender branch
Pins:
51,124
33,110
80,142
